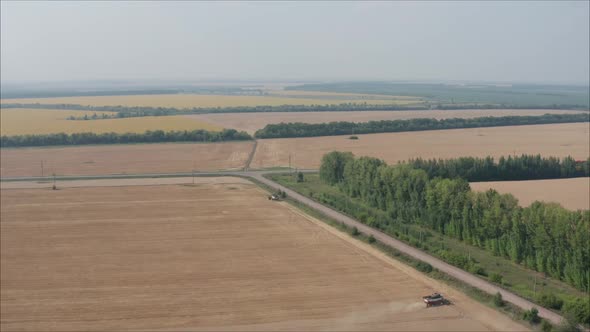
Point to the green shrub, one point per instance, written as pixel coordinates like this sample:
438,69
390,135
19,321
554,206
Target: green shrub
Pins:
477,269
498,300
567,325
546,326
372,239
550,301
424,267
496,277
532,316
579,310
300,177
354,231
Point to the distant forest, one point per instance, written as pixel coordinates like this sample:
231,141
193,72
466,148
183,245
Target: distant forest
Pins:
298,129
558,96
155,136
511,168
139,111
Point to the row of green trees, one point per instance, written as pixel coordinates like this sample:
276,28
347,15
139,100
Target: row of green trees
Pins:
155,136
139,111
299,129
543,237
523,167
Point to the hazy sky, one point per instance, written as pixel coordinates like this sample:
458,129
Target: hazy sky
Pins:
494,40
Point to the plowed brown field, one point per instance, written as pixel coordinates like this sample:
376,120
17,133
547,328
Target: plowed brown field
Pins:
208,257
251,122
119,159
558,140
570,193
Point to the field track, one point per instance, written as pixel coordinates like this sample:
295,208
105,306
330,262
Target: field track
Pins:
214,256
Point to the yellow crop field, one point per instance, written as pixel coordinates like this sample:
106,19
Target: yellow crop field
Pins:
40,121
194,100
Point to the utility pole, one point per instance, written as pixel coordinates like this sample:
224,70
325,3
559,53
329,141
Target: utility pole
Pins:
54,187
193,172
289,161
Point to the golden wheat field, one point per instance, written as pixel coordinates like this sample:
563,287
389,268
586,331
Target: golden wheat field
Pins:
194,100
572,194
39,121
124,159
559,140
209,257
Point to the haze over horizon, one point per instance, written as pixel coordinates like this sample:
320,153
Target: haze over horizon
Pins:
536,42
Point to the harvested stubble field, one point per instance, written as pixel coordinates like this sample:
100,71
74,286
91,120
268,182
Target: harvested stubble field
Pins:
558,140
192,100
570,193
343,95
39,121
250,122
124,159
214,256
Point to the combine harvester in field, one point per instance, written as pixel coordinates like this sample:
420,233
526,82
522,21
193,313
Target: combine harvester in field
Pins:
280,195
435,300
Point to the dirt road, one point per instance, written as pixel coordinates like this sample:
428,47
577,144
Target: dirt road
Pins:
457,273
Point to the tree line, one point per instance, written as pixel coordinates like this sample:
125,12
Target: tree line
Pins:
544,236
139,111
150,136
298,129
511,168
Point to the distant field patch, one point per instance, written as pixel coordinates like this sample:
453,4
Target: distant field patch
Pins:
572,194
39,121
251,122
359,96
197,100
125,159
558,140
